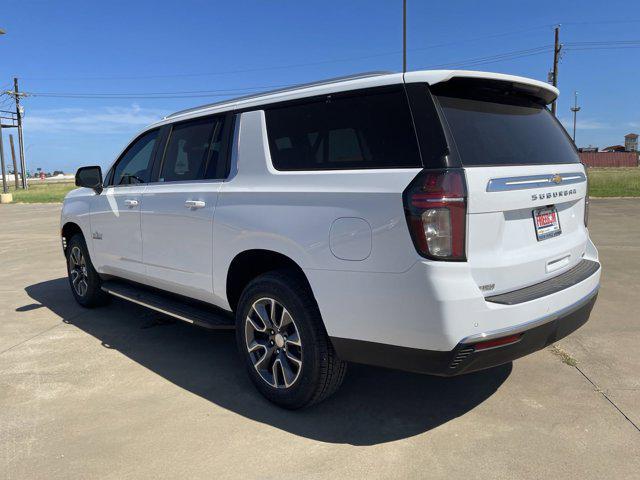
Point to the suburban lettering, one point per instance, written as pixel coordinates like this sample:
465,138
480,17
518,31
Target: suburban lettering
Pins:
560,193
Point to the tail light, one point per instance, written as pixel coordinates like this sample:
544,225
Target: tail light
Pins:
435,205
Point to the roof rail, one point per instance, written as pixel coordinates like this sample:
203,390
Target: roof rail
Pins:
280,90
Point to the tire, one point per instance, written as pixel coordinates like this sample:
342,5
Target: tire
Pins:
84,281
300,335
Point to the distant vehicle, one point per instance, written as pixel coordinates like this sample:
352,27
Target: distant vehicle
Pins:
434,221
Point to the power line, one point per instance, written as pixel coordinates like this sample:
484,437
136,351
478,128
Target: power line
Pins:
601,22
323,62
339,60
297,65
484,37
609,44
621,47
574,46
495,58
222,91
231,92
347,59
605,42
151,95
6,100
139,96
600,48
175,94
602,45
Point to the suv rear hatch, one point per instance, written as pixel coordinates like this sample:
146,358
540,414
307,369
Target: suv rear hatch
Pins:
526,186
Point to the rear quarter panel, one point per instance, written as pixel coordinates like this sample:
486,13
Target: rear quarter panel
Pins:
292,212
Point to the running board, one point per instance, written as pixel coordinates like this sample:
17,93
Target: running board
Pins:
196,312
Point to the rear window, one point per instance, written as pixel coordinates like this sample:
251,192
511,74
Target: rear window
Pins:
356,131
507,130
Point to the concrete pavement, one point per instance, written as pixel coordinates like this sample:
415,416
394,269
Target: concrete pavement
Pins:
118,392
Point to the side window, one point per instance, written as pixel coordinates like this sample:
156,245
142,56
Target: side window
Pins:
135,165
194,150
344,146
371,129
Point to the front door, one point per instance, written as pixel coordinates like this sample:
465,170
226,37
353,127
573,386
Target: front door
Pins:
115,213
178,208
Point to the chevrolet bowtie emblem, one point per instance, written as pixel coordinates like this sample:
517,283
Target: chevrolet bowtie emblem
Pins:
556,179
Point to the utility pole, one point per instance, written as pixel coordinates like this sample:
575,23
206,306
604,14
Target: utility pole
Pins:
404,36
556,57
15,166
15,93
575,109
5,189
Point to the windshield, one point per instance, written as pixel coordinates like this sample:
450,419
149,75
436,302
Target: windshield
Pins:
513,131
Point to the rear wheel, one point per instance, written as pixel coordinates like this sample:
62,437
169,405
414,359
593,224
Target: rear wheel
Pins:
286,349
84,280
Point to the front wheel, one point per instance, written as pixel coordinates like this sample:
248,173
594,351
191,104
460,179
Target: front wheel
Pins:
84,280
286,349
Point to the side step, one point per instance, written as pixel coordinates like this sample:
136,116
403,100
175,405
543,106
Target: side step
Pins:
190,311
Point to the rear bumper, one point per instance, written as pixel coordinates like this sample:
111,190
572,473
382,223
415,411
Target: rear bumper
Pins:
466,356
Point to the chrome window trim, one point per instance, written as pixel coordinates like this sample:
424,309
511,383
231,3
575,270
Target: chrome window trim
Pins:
534,181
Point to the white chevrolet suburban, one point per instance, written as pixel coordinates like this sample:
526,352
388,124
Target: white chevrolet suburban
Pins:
433,221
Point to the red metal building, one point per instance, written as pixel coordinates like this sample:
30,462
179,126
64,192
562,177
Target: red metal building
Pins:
609,159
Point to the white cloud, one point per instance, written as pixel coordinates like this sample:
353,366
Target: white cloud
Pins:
99,120
584,124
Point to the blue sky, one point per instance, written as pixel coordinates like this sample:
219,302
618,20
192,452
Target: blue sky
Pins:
142,47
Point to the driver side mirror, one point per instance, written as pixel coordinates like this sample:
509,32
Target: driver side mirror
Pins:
90,177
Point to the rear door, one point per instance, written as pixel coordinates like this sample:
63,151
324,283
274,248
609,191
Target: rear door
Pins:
526,187
179,206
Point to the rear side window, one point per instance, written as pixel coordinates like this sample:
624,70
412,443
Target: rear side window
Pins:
193,151
507,129
356,131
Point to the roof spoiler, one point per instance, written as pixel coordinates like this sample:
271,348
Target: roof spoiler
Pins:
534,88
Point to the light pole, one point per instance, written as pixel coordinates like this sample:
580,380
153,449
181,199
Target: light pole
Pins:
404,36
575,109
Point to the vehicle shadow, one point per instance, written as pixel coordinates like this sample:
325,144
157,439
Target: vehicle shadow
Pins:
373,406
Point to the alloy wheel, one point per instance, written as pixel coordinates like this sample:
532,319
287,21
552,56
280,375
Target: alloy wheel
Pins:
78,271
273,343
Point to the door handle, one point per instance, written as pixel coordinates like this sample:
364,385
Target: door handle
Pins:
194,204
131,203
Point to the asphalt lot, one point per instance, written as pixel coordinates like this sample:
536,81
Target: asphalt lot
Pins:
119,393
